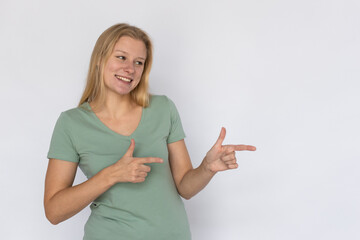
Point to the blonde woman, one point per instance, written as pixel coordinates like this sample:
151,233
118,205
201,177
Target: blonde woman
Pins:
130,145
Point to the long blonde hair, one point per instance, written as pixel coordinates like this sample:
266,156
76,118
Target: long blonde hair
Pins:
95,87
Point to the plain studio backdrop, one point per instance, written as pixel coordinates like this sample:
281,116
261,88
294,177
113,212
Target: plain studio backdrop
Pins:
280,75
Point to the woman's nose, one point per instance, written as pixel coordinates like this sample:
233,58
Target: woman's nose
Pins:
129,67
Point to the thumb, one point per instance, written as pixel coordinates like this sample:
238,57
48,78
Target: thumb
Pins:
221,138
130,151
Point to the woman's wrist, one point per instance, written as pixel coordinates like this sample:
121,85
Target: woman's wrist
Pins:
105,176
206,167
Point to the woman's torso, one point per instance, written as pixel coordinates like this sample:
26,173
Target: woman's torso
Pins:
147,210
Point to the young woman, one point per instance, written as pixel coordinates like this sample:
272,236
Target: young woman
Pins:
130,145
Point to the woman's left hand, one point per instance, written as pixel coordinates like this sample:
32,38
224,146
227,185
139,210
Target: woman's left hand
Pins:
222,157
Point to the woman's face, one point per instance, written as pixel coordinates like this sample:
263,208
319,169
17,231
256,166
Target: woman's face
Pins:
124,68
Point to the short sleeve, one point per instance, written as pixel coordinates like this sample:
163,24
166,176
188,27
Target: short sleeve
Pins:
62,143
176,130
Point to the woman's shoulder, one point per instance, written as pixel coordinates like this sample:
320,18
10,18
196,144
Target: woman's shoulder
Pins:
76,113
160,104
159,100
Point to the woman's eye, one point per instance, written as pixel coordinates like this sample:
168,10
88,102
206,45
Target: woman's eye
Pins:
139,63
121,57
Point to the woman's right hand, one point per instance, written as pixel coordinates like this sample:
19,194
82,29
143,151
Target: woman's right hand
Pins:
129,168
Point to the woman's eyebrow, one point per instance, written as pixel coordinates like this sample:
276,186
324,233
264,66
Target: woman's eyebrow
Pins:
118,50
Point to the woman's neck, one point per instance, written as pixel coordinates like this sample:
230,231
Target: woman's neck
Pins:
116,106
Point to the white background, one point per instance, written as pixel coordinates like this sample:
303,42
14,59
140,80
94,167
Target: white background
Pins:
280,75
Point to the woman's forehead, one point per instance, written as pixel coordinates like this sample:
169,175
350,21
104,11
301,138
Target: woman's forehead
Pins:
131,46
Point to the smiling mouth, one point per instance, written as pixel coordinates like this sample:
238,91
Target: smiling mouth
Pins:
123,78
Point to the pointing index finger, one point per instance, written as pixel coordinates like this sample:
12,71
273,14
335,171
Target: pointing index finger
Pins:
149,160
241,147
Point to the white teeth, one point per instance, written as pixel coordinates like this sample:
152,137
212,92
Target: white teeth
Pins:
122,78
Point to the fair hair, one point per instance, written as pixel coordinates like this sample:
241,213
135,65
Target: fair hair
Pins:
95,88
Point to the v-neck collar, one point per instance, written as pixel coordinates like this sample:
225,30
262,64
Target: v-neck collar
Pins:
106,128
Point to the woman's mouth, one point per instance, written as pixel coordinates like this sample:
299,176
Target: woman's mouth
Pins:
128,80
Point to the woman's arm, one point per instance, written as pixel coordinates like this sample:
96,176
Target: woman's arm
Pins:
62,200
190,181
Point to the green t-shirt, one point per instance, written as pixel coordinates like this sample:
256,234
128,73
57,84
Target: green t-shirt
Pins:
149,210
